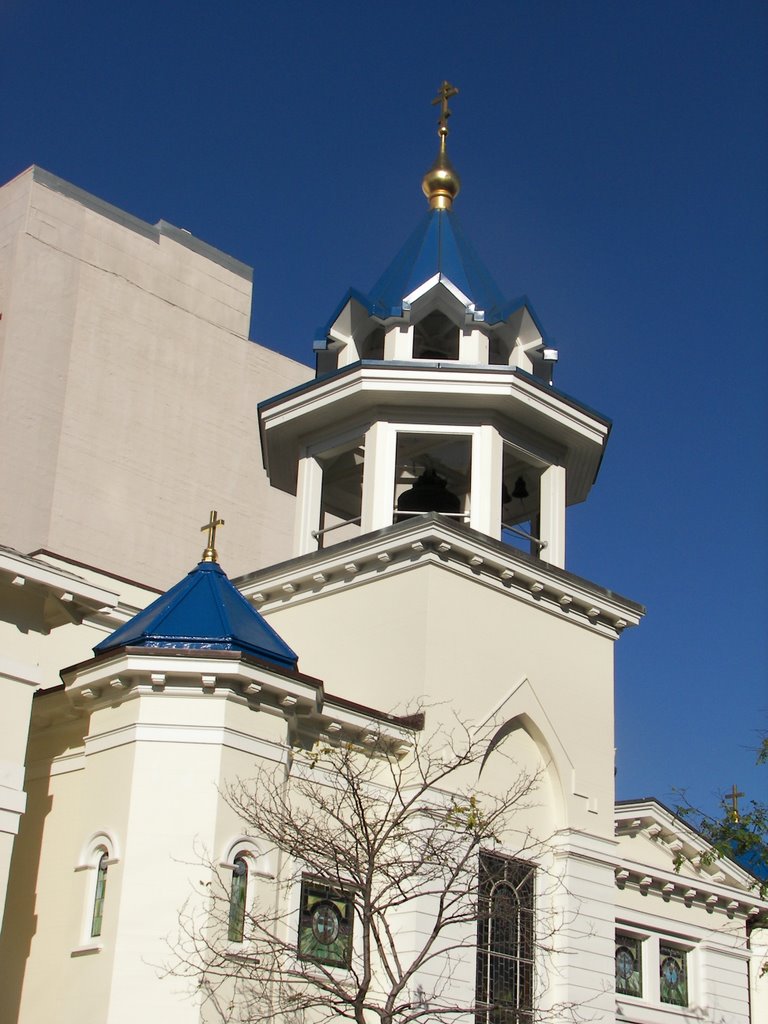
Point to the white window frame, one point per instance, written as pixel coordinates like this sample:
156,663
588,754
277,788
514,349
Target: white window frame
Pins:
649,951
258,865
101,843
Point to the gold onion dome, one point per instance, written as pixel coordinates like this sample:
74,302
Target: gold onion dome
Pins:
441,183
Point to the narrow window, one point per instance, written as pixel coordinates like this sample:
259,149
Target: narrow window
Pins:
98,899
237,900
629,967
673,975
505,941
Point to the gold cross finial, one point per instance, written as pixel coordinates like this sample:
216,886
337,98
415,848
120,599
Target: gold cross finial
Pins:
733,796
441,183
209,555
445,92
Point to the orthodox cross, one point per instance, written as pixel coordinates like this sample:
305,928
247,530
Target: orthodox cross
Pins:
733,796
209,555
445,92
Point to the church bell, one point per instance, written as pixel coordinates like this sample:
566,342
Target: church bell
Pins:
429,493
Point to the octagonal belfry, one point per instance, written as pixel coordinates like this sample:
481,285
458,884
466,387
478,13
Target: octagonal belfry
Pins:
433,394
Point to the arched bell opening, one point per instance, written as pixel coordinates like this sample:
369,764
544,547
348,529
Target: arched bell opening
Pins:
436,336
433,474
533,504
500,347
372,346
520,502
341,493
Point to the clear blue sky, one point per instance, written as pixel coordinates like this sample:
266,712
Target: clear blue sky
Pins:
614,161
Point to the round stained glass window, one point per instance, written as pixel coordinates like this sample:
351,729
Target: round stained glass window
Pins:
325,923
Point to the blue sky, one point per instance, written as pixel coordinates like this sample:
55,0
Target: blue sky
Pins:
614,159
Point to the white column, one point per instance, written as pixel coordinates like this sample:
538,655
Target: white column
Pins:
552,515
309,493
378,477
18,682
758,977
485,496
398,343
473,347
577,918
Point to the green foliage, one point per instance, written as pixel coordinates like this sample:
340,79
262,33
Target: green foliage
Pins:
741,836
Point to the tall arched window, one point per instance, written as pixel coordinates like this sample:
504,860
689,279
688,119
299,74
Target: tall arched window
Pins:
98,896
98,855
237,897
505,941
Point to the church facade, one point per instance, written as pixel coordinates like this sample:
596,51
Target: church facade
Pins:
400,548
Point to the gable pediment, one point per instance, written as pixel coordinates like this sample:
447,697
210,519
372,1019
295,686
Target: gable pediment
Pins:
655,844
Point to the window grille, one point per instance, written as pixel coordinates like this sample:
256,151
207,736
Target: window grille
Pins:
325,924
673,975
237,896
505,941
98,899
629,965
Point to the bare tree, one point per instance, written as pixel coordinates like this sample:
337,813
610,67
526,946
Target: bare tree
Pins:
384,847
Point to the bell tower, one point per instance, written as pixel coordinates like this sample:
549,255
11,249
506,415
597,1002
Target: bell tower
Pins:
433,394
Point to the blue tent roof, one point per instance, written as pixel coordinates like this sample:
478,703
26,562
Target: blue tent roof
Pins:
203,611
437,246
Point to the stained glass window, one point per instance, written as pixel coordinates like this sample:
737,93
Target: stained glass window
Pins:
505,941
673,975
325,924
629,965
237,894
98,899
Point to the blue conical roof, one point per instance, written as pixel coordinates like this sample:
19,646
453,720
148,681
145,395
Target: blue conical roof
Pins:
203,611
437,246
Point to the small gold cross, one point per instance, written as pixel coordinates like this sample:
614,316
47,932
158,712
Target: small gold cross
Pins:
734,798
445,92
209,555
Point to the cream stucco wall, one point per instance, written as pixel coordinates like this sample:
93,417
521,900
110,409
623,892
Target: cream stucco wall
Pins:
462,648
148,772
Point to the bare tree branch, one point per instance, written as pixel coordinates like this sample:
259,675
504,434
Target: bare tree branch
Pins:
393,837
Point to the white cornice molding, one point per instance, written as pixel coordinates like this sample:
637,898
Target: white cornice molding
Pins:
430,540
393,391
109,680
733,901
72,597
21,672
194,735
396,384
722,885
154,674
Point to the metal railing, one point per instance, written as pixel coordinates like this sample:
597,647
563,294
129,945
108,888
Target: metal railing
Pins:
317,534
540,544
426,511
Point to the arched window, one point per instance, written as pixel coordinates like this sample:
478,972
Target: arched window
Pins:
237,898
97,855
98,897
246,876
436,337
505,941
